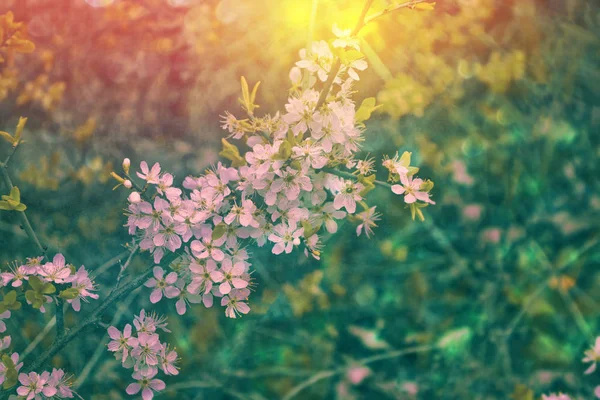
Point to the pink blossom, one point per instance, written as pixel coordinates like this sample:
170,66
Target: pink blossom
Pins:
150,176
146,384
121,342
285,237
367,220
168,359
348,195
162,285
33,384
55,271
208,248
235,303
231,274
146,352
184,298
411,188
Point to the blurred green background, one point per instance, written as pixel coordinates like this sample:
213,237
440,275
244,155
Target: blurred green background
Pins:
499,101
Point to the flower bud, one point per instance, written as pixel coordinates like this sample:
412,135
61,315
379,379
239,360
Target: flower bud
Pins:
126,165
134,197
127,184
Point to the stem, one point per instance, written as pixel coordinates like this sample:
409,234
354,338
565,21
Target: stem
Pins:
348,175
12,153
26,225
329,373
60,318
391,9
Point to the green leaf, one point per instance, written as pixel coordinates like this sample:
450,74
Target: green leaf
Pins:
405,159
19,130
10,297
48,288
219,231
368,182
30,295
10,377
69,294
8,137
35,283
12,201
232,153
366,108
285,150
426,186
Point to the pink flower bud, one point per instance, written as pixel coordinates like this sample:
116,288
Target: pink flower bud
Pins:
134,197
127,184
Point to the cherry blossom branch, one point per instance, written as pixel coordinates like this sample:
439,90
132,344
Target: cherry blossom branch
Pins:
335,68
319,376
363,20
92,318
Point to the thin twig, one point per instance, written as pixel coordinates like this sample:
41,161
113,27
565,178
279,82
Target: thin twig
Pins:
12,153
390,9
124,267
26,225
348,175
113,261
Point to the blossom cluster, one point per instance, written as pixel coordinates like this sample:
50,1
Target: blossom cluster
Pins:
299,176
42,278
54,385
144,352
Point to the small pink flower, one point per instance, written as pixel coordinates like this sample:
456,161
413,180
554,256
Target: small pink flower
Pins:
411,189
56,271
184,298
150,176
121,342
168,360
208,248
146,384
367,220
285,237
348,195
162,285
33,384
235,303
231,274
146,352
